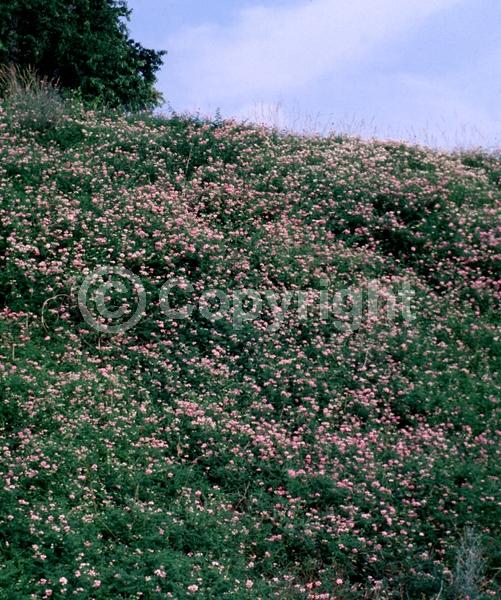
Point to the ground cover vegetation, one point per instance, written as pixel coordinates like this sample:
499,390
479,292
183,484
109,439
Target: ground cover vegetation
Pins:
197,459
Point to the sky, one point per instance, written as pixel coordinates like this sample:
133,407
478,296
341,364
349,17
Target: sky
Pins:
427,71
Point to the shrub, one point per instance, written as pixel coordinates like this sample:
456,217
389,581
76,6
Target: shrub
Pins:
85,45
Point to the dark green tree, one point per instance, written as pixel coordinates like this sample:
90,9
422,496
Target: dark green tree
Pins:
84,45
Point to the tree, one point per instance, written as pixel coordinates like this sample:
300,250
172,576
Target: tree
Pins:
85,46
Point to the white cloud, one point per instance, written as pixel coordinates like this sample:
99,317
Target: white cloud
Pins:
273,51
313,65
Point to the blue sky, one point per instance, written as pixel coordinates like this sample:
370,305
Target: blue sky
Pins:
424,70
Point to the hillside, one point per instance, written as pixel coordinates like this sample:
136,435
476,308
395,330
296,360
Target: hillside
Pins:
277,449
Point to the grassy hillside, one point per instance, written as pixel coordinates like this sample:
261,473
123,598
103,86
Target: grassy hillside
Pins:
286,452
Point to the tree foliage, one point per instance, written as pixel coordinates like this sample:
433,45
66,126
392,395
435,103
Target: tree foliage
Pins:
85,46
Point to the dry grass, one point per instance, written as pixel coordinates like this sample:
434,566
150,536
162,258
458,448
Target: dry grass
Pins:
469,566
34,101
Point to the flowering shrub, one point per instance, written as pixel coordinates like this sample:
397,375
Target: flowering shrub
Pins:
193,459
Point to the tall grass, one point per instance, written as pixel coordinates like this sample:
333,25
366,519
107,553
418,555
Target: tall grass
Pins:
33,102
470,566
